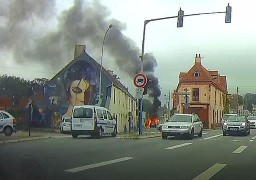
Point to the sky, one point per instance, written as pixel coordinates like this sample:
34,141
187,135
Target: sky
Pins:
37,39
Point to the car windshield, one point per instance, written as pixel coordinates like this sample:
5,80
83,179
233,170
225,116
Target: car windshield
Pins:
226,116
181,118
236,119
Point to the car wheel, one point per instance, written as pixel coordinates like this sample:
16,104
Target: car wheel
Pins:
191,135
8,131
164,136
114,133
224,133
74,135
201,133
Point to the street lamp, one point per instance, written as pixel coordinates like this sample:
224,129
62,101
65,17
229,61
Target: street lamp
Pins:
102,51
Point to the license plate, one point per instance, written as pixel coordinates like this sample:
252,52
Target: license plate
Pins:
233,129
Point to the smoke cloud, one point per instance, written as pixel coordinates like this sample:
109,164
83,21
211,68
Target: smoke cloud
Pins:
26,31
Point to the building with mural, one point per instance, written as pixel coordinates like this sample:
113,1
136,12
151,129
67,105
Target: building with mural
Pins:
204,91
78,84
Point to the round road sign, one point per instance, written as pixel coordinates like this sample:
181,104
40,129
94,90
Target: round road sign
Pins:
140,80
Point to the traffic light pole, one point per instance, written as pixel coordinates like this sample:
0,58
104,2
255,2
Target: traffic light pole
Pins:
180,15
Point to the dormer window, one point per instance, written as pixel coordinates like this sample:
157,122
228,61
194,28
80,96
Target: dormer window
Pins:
196,74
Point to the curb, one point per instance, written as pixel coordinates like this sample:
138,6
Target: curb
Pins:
25,139
139,137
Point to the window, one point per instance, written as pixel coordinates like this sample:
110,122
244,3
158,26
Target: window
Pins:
195,95
215,97
83,113
114,96
5,116
100,114
109,116
105,114
196,74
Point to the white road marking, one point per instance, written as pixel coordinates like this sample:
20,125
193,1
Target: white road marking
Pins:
210,172
104,163
235,140
204,133
254,137
58,137
178,146
251,140
211,137
239,150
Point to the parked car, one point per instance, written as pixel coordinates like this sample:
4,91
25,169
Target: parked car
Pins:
7,123
236,125
183,124
65,125
92,120
252,120
159,127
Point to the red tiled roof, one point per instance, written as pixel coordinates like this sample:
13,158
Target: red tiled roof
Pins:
205,76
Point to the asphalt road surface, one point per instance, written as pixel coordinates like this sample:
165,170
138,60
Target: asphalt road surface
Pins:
211,157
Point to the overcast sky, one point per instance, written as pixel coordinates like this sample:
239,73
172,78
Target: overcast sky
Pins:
228,48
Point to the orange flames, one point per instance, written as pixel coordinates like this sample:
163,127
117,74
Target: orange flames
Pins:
152,122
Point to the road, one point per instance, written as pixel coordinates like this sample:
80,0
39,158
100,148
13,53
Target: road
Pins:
211,157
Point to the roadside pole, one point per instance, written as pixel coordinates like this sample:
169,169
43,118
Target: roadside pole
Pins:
30,117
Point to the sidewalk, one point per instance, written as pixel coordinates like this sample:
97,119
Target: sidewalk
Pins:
35,134
147,133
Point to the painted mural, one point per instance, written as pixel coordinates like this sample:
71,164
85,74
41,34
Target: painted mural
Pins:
74,85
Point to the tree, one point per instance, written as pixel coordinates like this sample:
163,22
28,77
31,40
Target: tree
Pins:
13,87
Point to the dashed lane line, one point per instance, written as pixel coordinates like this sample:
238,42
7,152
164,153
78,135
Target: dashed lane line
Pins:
210,172
178,146
239,150
91,166
211,137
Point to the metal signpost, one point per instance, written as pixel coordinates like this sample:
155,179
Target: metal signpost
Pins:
140,81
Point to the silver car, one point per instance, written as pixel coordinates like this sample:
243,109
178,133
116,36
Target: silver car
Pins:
252,120
183,124
236,125
7,123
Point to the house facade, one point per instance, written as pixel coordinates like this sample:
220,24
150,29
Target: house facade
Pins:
202,92
78,84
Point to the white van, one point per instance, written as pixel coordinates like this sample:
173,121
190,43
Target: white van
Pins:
92,120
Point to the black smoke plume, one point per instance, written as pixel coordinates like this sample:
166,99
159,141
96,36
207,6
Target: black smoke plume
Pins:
32,32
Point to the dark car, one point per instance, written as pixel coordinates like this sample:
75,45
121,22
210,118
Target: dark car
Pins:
236,125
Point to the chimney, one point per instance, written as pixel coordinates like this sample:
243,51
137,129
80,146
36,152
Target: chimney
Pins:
198,59
79,49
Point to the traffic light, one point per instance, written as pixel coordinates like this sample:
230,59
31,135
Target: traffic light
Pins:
180,18
228,14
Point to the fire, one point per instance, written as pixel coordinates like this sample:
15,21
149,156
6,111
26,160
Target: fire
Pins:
152,122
